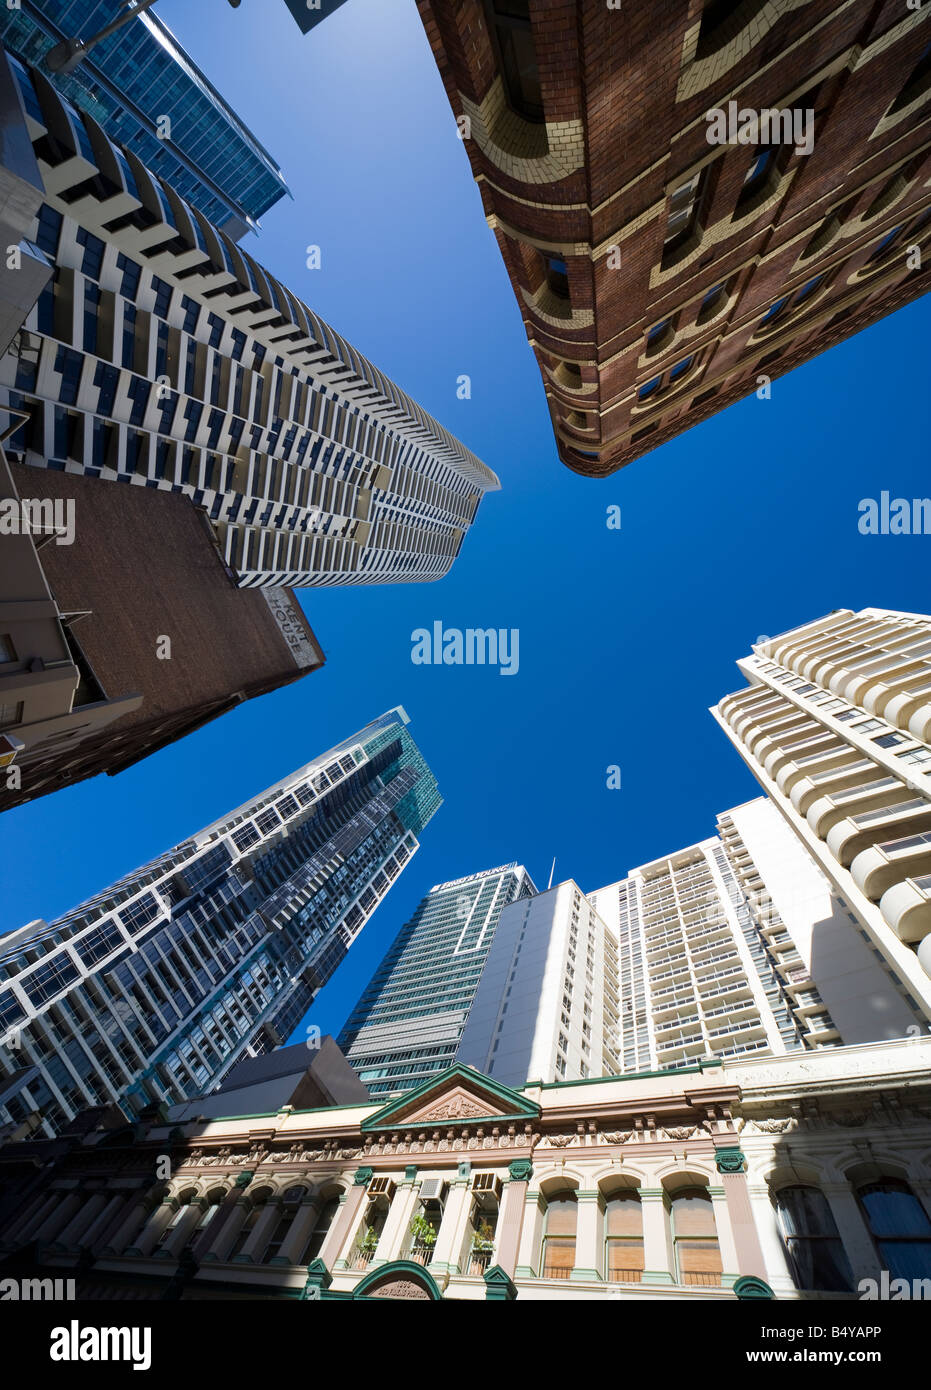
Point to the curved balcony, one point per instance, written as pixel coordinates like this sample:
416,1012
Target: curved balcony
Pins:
827,761
876,869
800,751
904,704
831,808
907,908
851,836
818,784
920,723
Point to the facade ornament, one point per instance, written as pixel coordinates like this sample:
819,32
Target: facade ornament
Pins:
729,1160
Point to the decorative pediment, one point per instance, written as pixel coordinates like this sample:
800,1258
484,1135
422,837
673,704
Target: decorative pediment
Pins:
458,1096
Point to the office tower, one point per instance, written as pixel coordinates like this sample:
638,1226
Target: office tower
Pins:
255,448
732,946
835,724
149,96
662,262
408,1022
155,988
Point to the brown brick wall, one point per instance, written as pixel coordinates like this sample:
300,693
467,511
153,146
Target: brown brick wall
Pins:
631,77
144,563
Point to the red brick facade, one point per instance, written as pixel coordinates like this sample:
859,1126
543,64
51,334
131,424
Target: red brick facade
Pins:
618,98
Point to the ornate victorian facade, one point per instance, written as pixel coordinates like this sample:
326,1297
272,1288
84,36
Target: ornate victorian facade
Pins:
744,1180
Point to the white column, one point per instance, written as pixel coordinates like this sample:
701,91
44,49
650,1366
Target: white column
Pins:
852,1229
137,1208
528,1256
778,1269
219,1247
260,1235
395,1236
587,1264
305,1219
99,1225
59,1216
31,1219
730,1262
451,1235
181,1234
657,1252
88,1211
145,1241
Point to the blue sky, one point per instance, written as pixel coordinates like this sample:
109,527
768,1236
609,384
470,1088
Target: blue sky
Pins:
744,526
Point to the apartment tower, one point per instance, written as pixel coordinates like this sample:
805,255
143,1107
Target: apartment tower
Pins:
664,258
255,449
732,947
155,988
835,724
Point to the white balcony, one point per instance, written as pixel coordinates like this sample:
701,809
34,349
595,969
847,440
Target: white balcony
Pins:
856,833
875,870
906,907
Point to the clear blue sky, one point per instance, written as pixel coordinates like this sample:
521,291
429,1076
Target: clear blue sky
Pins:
746,525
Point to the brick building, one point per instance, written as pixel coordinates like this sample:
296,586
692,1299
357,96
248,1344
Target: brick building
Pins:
659,275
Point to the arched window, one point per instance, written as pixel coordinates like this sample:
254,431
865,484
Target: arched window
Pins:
184,1201
900,1227
559,1236
326,1214
695,1237
207,1214
510,24
623,1239
816,1251
290,1202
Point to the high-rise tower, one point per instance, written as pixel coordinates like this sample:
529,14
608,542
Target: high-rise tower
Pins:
835,724
214,951
150,96
252,446
408,1022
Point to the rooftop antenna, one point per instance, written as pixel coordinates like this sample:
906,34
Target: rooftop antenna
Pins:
552,871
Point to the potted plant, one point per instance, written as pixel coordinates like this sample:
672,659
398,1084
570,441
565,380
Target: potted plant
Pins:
423,1231
483,1238
369,1241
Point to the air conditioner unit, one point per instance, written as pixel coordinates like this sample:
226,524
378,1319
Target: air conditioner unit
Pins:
381,1187
432,1190
487,1184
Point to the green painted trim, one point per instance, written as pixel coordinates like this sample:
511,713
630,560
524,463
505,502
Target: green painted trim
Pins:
386,1117
409,1269
499,1287
751,1286
657,1276
525,1272
589,1275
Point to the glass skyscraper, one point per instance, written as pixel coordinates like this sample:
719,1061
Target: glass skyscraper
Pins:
154,988
408,1022
130,83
